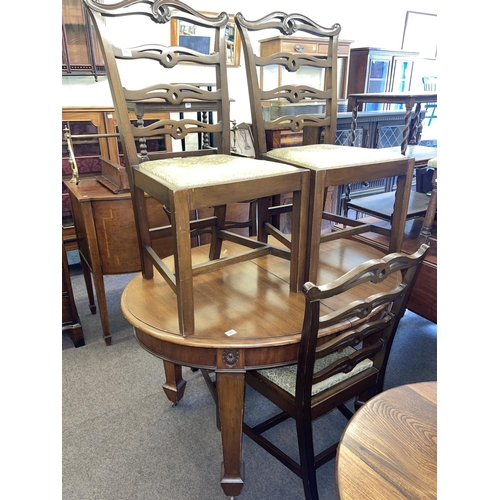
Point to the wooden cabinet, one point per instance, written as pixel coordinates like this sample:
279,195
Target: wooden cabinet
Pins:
276,76
379,70
81,55
107,239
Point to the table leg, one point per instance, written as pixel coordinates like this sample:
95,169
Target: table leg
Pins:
230,397
406,130
93,261
103,306
174,383
88,285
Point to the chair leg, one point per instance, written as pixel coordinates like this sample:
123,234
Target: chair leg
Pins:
306,453
181,231
216,240
141,215
262,217
316,193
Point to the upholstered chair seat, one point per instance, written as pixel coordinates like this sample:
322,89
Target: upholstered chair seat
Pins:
328,156
286,377
212,169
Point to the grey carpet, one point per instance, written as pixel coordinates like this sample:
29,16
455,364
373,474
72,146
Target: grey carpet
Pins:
123,440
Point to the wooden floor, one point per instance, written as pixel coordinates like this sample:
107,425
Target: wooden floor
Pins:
423,300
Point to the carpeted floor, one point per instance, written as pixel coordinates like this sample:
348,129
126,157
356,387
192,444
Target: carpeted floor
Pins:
123,440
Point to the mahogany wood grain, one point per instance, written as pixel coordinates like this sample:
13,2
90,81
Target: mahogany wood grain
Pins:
389,448
254,299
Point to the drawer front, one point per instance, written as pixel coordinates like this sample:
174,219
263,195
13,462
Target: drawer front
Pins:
344,49
300,47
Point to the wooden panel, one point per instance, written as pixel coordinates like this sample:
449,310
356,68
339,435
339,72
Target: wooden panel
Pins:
423,299
116,234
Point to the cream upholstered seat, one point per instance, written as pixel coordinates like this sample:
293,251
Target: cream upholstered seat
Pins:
310,82
195,185
329,156
343,355
286,377
214,169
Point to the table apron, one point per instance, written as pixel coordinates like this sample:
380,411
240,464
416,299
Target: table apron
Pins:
207,357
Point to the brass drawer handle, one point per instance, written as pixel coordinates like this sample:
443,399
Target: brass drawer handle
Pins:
299,48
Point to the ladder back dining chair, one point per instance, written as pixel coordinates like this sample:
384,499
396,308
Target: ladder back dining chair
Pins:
311,109
343,355
134,36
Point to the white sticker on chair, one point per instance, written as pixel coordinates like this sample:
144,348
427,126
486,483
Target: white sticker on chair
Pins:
230,332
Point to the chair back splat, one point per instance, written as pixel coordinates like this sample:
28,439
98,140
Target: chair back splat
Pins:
343,355
195,180
296,100
309,111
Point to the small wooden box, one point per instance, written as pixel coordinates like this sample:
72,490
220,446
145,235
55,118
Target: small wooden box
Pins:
113,176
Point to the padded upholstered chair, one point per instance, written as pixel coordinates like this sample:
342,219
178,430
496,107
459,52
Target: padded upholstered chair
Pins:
134,36
311,109
343,355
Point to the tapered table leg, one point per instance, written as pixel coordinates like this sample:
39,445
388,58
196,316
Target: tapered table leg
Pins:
174,385
230,393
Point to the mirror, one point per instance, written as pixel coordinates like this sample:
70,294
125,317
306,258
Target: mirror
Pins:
200,39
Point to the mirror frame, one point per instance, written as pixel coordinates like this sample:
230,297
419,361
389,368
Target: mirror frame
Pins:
236,43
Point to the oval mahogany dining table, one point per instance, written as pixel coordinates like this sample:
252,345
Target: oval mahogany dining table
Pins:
388,450
246,318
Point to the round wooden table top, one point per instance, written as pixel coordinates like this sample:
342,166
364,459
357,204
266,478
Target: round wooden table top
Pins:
247,306
389,448
253,298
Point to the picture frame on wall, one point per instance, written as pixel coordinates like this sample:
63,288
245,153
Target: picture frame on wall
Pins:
200,39
420,33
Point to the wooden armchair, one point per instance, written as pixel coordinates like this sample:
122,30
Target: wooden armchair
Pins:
343,355
138,65
312,110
